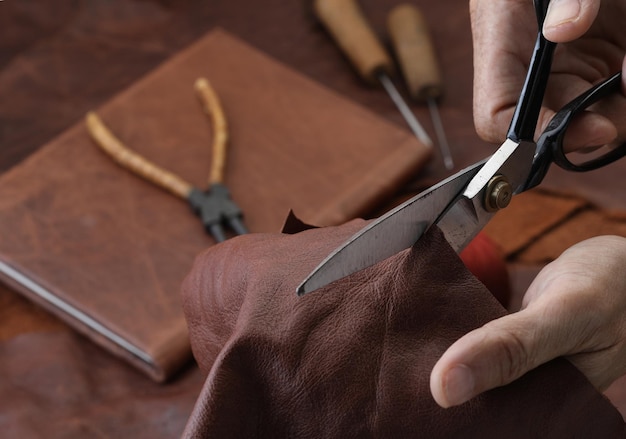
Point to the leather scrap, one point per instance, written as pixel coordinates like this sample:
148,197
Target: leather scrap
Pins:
353,359
529,216
540,224
586,224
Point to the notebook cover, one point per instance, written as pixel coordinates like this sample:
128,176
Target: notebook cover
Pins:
106,251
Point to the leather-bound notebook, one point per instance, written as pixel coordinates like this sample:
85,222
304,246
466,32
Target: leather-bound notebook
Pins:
106,250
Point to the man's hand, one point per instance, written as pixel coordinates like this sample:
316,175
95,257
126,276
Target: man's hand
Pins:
576,307
504,32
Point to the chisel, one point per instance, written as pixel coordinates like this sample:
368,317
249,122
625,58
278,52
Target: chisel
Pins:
345,22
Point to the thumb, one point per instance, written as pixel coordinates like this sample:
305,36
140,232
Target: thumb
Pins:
567,20
494,355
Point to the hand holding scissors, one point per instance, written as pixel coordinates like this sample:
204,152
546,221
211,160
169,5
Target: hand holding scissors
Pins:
464,203
503,36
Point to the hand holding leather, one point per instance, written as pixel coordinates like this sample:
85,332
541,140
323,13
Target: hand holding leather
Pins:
353,359
575,307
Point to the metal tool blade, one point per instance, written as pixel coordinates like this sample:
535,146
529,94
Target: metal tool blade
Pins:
404,109
468,215
393,232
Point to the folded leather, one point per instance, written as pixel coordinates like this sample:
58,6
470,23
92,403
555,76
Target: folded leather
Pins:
353,359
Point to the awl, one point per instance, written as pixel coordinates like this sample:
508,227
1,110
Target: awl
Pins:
416,55
345,22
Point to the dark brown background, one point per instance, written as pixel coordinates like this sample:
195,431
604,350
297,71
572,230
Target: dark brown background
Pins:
60,59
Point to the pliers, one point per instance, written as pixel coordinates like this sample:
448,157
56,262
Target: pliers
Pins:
213,205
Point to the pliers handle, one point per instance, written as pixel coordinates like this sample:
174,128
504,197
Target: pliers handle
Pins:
213,205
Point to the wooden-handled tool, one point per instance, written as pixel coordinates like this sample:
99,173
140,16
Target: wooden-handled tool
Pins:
345,22
349,27
415,52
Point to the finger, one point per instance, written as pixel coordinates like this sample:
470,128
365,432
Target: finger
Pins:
574,307
590,128
496,354
499,61
567,20
496,131
588,131
490,356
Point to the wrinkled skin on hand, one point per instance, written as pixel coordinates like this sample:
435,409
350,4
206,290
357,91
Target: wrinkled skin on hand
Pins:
504,33
576,307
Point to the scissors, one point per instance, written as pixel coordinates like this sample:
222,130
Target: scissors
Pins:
464,203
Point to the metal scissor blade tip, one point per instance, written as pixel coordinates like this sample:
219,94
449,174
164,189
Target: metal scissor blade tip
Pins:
393,232
304,288
333,268
309,284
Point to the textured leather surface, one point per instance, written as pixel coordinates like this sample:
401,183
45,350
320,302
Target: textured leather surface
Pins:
116,247
353,359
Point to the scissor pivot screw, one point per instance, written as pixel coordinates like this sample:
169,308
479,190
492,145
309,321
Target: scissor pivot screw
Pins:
498,194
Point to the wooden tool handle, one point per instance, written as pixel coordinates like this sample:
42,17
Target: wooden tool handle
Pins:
110,144
414,50
213,108
345,22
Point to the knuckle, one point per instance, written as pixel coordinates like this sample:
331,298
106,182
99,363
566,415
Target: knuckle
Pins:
485,129
515,356
486,123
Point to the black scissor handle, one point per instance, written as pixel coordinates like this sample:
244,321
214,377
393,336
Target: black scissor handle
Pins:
526,113
561,121
550,143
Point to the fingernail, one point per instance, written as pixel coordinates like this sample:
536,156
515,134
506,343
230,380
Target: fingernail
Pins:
562,11
459,384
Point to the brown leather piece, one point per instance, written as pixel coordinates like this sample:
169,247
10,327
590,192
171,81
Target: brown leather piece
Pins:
540,224
353,359
531,215
60,385
587,224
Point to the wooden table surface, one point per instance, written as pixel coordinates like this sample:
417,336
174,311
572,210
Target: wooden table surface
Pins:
60,59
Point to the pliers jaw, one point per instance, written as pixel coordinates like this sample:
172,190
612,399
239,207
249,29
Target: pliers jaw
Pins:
215,208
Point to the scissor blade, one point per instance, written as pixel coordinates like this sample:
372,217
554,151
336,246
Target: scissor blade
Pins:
469,214
393,232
